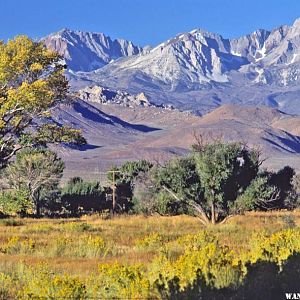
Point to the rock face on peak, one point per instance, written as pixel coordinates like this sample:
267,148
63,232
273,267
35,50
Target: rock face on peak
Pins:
87,51
280,46
251,45
189,59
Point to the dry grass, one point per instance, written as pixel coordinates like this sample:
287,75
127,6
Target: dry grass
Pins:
121,236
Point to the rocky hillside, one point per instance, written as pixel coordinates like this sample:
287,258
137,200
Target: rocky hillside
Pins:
103,95
268,129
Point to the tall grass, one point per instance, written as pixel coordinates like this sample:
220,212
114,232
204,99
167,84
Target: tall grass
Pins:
76,247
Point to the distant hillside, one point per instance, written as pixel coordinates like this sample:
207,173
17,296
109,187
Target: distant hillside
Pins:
116,133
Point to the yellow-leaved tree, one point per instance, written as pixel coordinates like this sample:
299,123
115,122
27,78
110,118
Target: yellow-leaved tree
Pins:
32,82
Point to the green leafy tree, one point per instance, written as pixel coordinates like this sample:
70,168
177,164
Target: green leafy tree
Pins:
31,83
181,177
260,195
269,190
14,202
217,181
145,198
38,172
283,181
211,179
127,172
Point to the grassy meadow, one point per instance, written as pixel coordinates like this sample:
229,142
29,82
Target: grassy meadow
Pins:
80,256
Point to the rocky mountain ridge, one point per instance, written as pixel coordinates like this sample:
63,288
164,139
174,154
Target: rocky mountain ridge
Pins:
197,56
196,71
88,51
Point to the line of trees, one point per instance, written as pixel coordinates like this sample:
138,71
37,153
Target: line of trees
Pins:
214,183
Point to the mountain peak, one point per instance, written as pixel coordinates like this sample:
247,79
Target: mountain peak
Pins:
65,29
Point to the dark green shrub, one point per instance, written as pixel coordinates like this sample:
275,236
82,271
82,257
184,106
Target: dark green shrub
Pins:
80,196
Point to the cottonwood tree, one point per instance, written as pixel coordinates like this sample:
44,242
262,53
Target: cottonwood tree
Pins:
36,171
31,83
213,178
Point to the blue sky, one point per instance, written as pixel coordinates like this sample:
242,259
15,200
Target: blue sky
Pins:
144,21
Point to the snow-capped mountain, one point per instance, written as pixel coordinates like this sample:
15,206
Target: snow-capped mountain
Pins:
196,71
274,55
199,56
87,51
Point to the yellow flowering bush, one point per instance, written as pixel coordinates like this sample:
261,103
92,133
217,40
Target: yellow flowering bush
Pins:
91,246
41,283
276,247
196,241
120,282
7,285
86,246
215,263
150,242
60,246
201,265
17,246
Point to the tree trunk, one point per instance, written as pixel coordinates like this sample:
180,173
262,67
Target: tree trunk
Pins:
37,209
213,214
204,218
37,205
